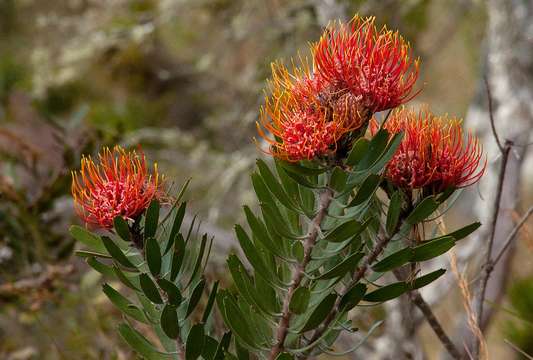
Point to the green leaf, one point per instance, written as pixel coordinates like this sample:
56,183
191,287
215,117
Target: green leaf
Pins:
123,304
123,278
345,231
393,215
431,249
178,220
151,220
85,254
101,268
234,319
348,264
253,256
195,342
338,179
422,211
387,154
139,343
223,346
210,302
394,260
464,231
302,180
87,238
300,169
153,255
297,251
300,300
352,297
261,233
375,149
169,321
172,291
426,279
387,292
275,187
150,289
367,189
199,259
116,253
177,256
357,152
195,297
320,313
122,228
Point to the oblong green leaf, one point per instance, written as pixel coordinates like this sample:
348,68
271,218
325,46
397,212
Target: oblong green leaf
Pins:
394,260
178,220
116,252
387,292
359,149
345,231
151,219
94,242
348,264
150,289
426,279
393,214
432,249
195,297
153,255
139,343
275,187
367,189
122,228
210,302
123,304
320,313
422,211
352,297
173,293
195,342
169,321
101,268
464,231
300,300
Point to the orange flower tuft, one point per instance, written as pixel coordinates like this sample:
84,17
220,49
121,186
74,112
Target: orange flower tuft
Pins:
433,154
301,118
119,184
375,66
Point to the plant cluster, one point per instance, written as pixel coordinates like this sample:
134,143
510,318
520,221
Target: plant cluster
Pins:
345,213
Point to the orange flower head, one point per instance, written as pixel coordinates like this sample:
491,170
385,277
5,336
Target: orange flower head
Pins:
375,66
118,184
301,118
434,153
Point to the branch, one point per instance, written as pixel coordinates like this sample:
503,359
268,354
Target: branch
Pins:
325,199
512,235
434,323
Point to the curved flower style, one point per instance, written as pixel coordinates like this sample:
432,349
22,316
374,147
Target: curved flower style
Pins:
433,154
375,66
119,184
301,118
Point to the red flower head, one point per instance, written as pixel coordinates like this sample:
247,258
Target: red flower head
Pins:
296,113
119,184
375,66
433,154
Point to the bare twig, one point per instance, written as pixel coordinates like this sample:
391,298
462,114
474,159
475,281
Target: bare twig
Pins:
517,349
489,265
512,235
434,323
491,115
298,272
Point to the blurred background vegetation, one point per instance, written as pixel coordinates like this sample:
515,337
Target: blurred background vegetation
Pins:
185,79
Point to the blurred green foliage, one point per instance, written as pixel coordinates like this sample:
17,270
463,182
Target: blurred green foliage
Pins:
519,330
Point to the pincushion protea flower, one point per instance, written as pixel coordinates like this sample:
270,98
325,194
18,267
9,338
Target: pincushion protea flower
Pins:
118,184
434,153
375,66
298,114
